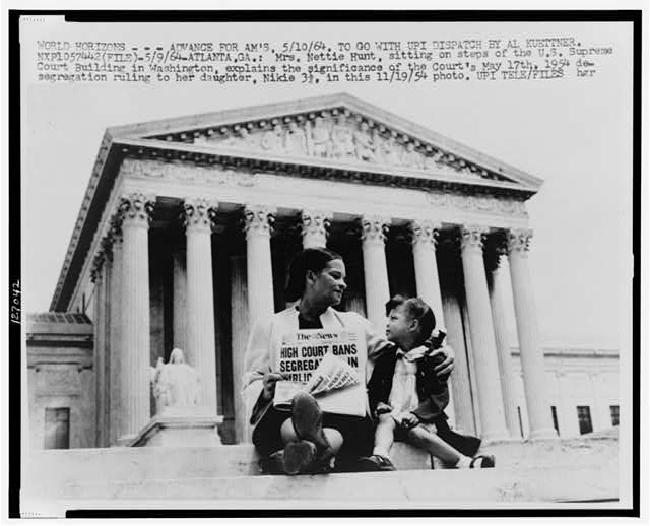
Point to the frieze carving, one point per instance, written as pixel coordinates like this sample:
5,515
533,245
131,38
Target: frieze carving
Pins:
185,172
198,213
519,241
136,208
479,203
258,220
315,223
424,233
107,246
374,228
97,266
472,237
337,134
115,231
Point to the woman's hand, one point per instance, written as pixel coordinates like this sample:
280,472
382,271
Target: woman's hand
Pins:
268,384
445,368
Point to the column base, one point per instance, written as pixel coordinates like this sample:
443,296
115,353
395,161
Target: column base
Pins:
492,438
544,434
179,428
507,440
124,441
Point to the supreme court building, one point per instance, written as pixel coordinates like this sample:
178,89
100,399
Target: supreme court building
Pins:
188,225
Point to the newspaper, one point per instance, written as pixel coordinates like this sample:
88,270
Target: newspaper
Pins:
330,365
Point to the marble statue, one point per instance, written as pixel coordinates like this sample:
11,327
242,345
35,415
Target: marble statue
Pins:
174,384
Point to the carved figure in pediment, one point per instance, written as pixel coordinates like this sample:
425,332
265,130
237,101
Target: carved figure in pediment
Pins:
390,151
364,143
320,138
434,161
342,139
272,138
295,141
230,141
248,139
411,158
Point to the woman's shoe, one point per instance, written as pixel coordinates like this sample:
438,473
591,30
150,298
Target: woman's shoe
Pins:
298,457
273,464
307,419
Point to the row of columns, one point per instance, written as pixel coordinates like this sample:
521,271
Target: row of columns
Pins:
130,323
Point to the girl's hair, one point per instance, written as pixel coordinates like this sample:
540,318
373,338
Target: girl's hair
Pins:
314,259
417,309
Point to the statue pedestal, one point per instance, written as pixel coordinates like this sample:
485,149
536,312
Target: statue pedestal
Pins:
180,426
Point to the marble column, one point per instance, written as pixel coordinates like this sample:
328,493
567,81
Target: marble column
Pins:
567,417
97,277
315,225
599,416
490,400
135,212
498,287
115,347
200,334
179,298
460,383
375,269
427,281
532,357
258,222
240,331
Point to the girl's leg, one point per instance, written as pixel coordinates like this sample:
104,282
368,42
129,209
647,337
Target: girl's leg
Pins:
384,435
432,443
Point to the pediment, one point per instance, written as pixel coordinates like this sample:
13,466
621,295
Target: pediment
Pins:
337,128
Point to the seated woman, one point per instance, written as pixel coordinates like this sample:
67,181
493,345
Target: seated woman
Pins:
305,439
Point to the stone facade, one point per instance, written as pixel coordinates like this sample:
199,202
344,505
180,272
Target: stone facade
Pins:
60,379
188,226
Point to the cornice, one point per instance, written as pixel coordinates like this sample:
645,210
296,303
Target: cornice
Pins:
119,142
198,124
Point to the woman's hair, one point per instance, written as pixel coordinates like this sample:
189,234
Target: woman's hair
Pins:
314,259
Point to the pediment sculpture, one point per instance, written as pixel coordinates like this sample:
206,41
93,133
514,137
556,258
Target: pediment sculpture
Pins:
337,134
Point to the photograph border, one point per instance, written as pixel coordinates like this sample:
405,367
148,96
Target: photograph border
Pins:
14,222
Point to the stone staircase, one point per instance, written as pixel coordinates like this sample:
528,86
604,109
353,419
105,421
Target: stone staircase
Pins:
228,477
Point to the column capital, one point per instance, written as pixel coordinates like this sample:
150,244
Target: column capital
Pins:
198,214
258,220
472,236
374,228
136,208
315,223
519,241
424,232
495,246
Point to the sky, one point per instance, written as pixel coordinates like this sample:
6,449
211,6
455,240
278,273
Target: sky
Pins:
574,134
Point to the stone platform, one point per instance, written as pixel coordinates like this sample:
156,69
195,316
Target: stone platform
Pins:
527,474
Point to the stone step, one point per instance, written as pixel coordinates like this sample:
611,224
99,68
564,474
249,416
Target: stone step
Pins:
556,470
432,488
56,467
